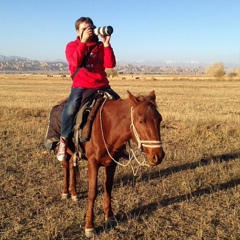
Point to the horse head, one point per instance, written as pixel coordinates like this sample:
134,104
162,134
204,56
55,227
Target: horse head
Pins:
145,126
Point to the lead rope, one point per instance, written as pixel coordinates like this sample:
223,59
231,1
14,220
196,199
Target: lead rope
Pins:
101,124
132,156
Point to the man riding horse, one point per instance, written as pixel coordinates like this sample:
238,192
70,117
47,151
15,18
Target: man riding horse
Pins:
87,57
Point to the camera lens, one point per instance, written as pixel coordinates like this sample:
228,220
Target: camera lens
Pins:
107,30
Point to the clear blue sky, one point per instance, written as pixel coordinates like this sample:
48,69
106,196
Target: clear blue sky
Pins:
153,30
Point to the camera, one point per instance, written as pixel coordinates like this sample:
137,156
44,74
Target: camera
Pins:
106,30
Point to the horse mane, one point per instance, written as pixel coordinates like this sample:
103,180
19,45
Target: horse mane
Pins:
146,102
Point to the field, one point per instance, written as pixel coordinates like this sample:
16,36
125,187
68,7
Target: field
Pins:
194,194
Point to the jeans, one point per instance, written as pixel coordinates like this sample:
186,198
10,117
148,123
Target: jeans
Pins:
72,106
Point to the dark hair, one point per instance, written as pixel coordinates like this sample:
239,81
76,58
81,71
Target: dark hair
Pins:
81,20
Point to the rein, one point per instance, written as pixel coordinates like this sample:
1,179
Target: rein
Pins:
101,124
150,144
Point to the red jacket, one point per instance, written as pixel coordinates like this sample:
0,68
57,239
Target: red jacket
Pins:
93,75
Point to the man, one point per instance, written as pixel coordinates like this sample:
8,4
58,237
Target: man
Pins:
87,58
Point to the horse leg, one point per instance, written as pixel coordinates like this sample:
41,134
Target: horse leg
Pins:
65,191
110,220
72,180
92,193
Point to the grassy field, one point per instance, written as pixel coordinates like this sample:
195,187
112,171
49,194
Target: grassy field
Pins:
193,194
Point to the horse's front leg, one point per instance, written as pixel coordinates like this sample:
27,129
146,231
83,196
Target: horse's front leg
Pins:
92,193
65,191
110,220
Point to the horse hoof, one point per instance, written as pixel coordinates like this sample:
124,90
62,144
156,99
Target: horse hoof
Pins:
65,196
75,198
110,223
90,233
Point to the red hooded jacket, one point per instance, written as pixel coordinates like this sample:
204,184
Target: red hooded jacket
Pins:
93,74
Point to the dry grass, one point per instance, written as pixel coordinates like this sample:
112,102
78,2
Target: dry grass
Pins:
193,194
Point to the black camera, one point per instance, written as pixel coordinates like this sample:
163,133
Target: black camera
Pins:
107,30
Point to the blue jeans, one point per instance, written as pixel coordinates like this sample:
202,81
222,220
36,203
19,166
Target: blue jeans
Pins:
72,106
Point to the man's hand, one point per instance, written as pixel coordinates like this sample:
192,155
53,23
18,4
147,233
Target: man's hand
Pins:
87,35
106,40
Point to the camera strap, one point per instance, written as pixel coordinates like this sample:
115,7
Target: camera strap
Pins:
84,61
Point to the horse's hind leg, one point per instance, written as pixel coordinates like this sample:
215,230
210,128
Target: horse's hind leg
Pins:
65,191
110,220
92,193
72,180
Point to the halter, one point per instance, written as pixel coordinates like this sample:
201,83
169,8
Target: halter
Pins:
143,143
134,153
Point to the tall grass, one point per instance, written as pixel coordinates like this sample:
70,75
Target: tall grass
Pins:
193,194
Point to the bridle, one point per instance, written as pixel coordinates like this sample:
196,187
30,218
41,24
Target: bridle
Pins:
134,153
143,143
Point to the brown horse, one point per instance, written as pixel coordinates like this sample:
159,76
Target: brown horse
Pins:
116,122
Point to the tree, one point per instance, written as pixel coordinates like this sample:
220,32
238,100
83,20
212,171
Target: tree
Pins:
232,75
216,70
111,72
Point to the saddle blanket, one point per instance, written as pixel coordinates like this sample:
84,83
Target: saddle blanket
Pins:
92,99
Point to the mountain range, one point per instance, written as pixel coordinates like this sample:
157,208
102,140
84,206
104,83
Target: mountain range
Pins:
21,64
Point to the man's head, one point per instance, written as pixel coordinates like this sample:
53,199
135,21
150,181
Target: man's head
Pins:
85,20
82,24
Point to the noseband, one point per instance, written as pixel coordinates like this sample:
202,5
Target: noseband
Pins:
150,144
143,143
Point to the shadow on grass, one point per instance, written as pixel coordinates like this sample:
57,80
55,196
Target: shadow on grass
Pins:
222,186
151,207
175,169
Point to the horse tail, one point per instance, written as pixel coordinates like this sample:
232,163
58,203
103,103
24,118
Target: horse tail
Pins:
77,173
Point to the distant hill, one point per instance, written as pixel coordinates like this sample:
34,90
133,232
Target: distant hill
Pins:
20,64
145,69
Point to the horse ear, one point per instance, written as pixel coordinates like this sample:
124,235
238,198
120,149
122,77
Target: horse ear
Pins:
132,98
152,96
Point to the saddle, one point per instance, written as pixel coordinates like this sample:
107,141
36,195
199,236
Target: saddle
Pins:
91,101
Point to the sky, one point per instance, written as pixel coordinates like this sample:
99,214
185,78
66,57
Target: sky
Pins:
197,31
